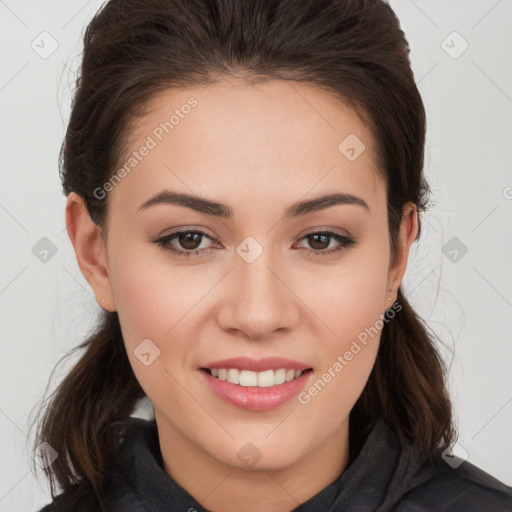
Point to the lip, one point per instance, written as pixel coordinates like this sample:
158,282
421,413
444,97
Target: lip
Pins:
254,398
258,365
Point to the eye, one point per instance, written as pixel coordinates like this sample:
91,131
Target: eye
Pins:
321,240
189,240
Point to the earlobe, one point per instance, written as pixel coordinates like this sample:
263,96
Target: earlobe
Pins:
407,235
90,251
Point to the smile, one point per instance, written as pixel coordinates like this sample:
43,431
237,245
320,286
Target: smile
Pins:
264,379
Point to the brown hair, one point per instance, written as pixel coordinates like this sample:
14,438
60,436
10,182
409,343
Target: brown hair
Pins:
133,49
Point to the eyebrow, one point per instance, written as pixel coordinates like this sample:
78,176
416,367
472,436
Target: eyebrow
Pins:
213,208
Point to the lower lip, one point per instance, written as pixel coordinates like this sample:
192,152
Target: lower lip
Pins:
254,398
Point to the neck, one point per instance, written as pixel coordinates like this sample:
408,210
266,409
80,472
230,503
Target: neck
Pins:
219,487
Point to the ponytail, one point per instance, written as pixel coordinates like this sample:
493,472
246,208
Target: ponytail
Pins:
82,420
407,385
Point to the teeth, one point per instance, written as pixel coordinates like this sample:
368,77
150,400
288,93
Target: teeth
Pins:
265,379
233,376
247,378
280,376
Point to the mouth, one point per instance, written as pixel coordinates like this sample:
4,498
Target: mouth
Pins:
256,384
263,379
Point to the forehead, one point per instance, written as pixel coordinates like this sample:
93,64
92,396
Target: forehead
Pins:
234,138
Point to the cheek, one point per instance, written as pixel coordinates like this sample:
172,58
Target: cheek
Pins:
153,307
160,303
153,298
141,298
350,304
349,299
347,356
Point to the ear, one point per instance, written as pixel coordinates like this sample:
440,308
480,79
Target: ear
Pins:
90,250
406,236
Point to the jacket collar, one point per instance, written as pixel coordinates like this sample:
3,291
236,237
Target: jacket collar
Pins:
380,474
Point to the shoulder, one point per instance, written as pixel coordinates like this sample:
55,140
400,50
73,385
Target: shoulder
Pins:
459,486
76,498
81,497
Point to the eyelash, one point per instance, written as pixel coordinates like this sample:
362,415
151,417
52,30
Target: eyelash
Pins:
344,241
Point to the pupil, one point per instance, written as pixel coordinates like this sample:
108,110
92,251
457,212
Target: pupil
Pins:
315,242
189,240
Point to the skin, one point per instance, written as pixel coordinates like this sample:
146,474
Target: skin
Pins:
257,149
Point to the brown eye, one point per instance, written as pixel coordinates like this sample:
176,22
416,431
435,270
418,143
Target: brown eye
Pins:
185,243
318,241
190,239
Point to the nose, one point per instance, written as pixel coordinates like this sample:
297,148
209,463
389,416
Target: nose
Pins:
257,300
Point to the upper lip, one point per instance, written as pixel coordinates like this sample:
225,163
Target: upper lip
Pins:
258,365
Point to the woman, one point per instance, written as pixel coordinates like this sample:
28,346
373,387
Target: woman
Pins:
244,184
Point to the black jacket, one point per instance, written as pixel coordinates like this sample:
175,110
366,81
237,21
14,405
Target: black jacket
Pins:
386,475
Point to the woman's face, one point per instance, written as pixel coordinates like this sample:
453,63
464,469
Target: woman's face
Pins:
254,278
